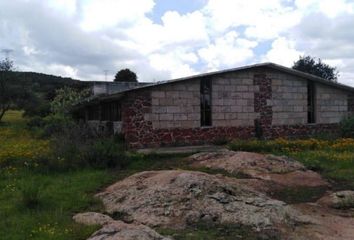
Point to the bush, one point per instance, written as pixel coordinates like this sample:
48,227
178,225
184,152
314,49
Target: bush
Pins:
76,146
35,122
347,127
106,153
56,124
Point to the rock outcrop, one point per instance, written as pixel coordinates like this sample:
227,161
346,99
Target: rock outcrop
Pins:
116,230
178,199
280,170
338,200
175,199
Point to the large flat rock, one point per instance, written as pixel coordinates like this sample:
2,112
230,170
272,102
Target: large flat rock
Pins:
175,199
281,170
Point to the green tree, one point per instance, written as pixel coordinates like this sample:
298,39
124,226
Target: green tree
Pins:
310,65
126,75
6,95
66,98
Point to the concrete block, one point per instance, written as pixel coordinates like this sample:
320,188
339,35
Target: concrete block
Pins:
248,109
173,109
218,116
229,116
159,109
180,87
172,94
242,88
247,95
180,117
155,102
166,117
193,116
186,95
236,109
151,117
158,94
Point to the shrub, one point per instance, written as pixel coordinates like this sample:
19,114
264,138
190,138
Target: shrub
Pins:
106,153
347,127
76,146
56,124
35,122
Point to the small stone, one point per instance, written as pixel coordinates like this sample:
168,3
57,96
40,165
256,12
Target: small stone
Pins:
92,218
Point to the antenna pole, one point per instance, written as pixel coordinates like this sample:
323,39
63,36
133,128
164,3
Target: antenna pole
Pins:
105,74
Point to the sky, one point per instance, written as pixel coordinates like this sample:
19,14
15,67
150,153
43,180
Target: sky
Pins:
167,39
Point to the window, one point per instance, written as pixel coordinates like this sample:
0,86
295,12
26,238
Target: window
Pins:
205,102
93,113
311,102
110,112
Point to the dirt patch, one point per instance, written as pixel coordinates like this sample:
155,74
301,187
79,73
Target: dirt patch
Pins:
330,225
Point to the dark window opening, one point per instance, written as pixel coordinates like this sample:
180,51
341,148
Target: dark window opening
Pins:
111,112
93,113
205,102
311,102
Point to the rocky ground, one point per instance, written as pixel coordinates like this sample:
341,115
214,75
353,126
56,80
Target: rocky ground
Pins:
240,192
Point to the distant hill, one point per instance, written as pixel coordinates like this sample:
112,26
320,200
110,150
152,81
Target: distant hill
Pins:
46,84
42,88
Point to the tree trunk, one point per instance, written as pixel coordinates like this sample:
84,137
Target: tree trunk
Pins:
3,111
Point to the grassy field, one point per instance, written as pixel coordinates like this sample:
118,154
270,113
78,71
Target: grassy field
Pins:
35,204
59,195
333,159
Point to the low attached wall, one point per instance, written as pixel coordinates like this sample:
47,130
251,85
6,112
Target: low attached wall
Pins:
105,127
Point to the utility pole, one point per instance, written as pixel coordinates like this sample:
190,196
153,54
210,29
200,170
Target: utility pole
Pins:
105,74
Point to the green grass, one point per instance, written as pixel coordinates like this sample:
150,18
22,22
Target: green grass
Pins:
333,159
39,205
60,196
35,204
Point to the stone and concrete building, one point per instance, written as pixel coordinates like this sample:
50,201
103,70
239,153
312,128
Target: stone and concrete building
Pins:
263,100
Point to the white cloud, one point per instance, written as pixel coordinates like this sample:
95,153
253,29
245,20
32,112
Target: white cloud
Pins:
103,14
227,51
328,7
282,52
83,37
182,30
64,6
176,62
262,19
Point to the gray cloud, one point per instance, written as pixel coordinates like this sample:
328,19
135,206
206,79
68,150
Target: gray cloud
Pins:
57,39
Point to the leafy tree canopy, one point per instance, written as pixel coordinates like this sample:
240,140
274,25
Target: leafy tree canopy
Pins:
9,95
310,65
66,98
126,75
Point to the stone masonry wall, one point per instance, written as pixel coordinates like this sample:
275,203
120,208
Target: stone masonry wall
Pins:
331,104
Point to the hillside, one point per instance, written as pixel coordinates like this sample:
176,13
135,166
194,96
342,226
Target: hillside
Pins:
46,84
37,90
